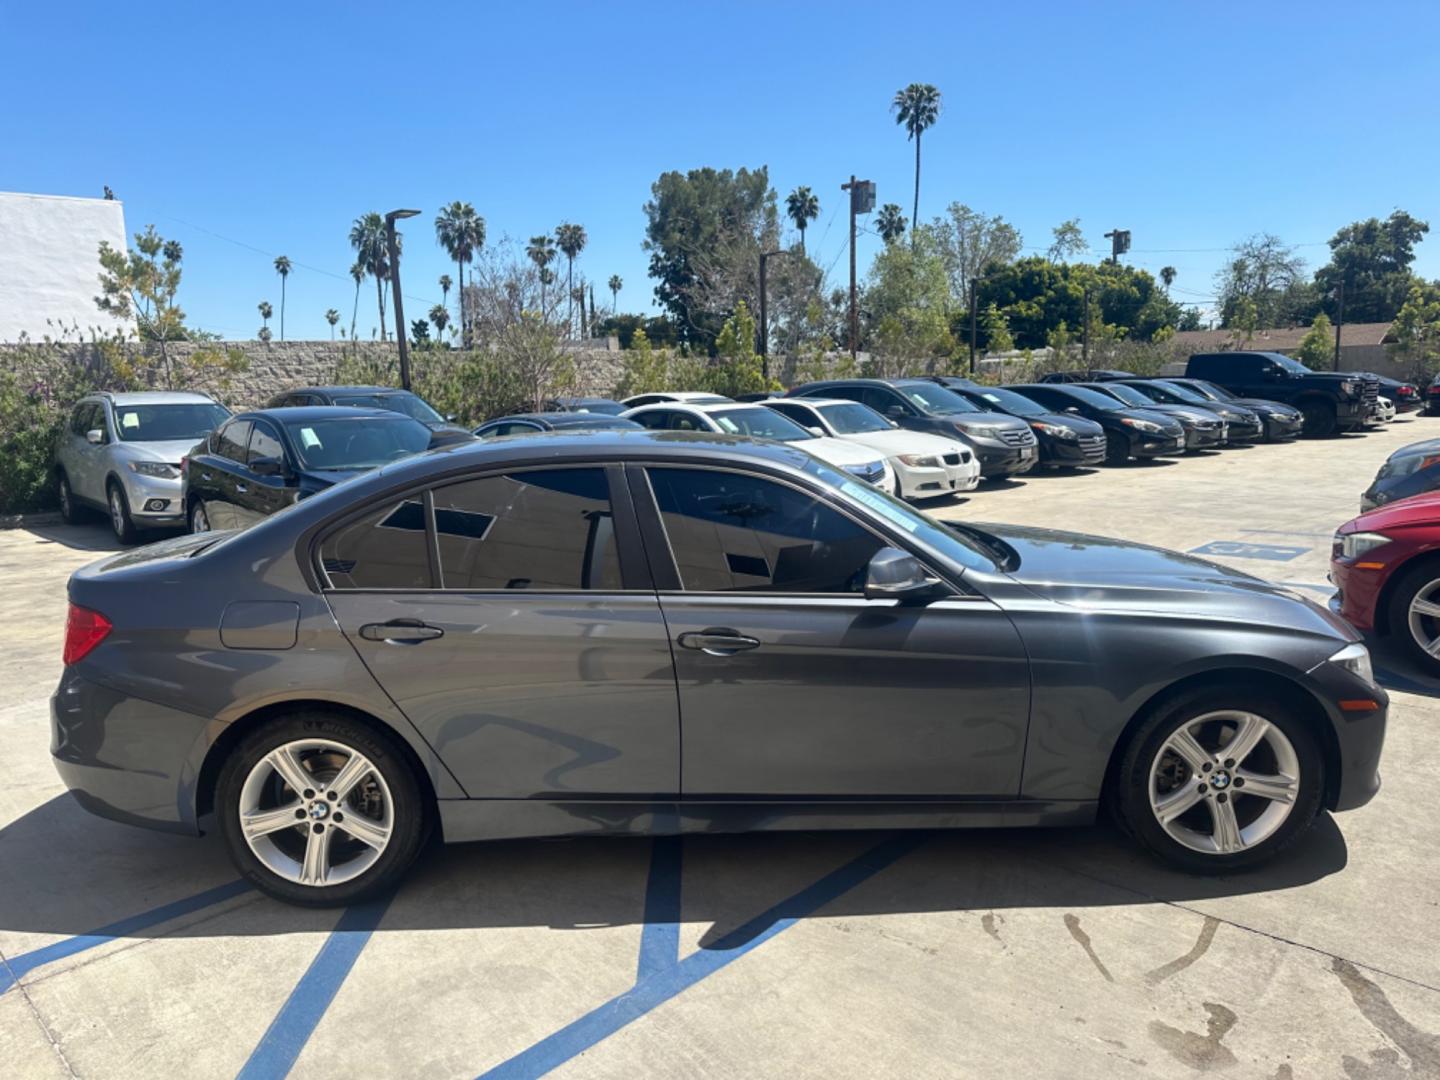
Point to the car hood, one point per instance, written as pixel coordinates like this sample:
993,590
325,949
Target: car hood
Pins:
1194,413
167,450
839,451
1081,426
1154,415
1103,574
892,443
1000,421
1263,406
1406,513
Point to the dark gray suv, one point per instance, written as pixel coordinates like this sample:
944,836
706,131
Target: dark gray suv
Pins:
631,631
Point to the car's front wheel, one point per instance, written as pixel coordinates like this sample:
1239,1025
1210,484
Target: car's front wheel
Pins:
121,523
320,809
1319,418
1414,615
1220,780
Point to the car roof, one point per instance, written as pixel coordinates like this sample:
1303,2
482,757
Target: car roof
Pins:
700,406
556,416
301,413
587,400
154,397
813,402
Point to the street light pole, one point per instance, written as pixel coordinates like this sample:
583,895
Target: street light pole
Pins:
974,311
862,201
394,252
764,330
1339,321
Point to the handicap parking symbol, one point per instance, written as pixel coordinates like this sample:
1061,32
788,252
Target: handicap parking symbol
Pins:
1240,549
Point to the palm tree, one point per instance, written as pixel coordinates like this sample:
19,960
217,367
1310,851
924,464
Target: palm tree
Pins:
616,283
265,311
357,271
445,283
542,252
571,240
803,206
440,316
332,317
367,237
282,267
891,223
917,107
461,232
1167,275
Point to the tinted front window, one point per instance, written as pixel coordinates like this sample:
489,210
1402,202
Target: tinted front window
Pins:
760,423
233,438
265,444
356,442
156,423
935,399
854,419
385,550
405,403
544,529
733,532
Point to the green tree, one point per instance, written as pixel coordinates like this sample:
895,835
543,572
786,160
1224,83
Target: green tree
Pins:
445,282
1317,347
1037,295
282,267
367,237
694,220
332,317
1068,242
141,285
461,232
616,283
542,252
570,239
440,316
736,368
916,108
890,223
907,305
1266,271
265,312
1372,259
972,244
1417,331
357,272
1167,277
643,368
802,206
996,328
265,334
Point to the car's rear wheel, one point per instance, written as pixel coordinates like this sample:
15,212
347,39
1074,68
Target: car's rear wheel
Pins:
121,523
1413,615
70,511
199,519
320,809
1319,418
1220,780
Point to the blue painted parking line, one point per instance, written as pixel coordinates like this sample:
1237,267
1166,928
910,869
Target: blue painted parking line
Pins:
1241,549
660,938
20,966
297,1019
662,984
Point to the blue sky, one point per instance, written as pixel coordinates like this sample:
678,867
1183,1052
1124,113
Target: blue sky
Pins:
250,131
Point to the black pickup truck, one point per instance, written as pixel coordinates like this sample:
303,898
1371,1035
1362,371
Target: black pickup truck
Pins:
1330,400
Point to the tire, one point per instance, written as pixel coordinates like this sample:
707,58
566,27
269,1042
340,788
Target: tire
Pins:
1149,773
1319,418
121,523
1421,582
198,519
1117,452
71,512
385,801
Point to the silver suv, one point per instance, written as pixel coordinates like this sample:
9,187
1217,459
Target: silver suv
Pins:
121,453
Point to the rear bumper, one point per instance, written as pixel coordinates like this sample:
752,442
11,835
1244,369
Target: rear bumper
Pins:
124,758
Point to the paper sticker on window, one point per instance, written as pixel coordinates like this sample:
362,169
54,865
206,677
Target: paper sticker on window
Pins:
881,505
130,420
308,438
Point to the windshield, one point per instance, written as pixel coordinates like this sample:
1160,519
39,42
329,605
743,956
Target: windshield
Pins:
947,543
1211,391
1127,394
403,402
1184,393
759,422
1283,361
854,419
356,442
1086,395
595,408
1010,402
935,399
160,423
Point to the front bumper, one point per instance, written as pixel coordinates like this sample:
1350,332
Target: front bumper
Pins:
124,758
933,481
1072,453
1359,736
1198,438
154,500
1283,427
1244,431
998,459
1145,444
1358,593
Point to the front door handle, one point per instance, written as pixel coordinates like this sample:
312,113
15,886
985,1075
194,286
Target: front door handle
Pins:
718,641
241,488
400,632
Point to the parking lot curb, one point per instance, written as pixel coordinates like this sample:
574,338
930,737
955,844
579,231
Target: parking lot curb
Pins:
30,521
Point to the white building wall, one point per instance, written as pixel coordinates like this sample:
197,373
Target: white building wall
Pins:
49,263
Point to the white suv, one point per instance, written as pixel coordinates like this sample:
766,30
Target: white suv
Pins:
121,453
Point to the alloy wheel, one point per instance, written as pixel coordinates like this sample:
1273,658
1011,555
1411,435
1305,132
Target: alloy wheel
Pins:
67,511
1224,782
199,520
1424,618
117,512
316,812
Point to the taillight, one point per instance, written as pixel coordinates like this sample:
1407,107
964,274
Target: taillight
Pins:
84,629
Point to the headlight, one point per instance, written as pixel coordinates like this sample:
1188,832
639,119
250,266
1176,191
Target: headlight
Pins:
1054,430
154,468
1355,658
1353,545
1142,425
921,461
1349,387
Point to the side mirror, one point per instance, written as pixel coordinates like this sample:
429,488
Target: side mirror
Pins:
895,411
451,418
95,436
1073,410
897,575
268,466
818,432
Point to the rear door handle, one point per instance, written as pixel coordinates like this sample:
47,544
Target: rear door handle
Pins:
718,641
401,632
241,488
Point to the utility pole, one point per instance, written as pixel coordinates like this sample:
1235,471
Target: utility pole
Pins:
974,305
401,337
762,332
862,201
1085,332
1339,320
1119,244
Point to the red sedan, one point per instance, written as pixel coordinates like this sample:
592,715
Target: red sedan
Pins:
1386,564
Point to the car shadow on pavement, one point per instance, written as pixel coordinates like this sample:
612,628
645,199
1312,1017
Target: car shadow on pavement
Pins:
1397,672
112,875
87,537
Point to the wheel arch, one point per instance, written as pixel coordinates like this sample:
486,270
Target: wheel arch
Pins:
1290,691
1381,618
242,726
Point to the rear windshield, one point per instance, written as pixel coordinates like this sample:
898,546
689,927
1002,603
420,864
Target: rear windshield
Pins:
363,442
403,403
158,423
760,422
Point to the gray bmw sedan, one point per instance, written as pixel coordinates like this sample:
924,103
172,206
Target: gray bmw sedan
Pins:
619,632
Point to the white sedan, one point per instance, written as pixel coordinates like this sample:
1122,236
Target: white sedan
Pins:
925,465
736,418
